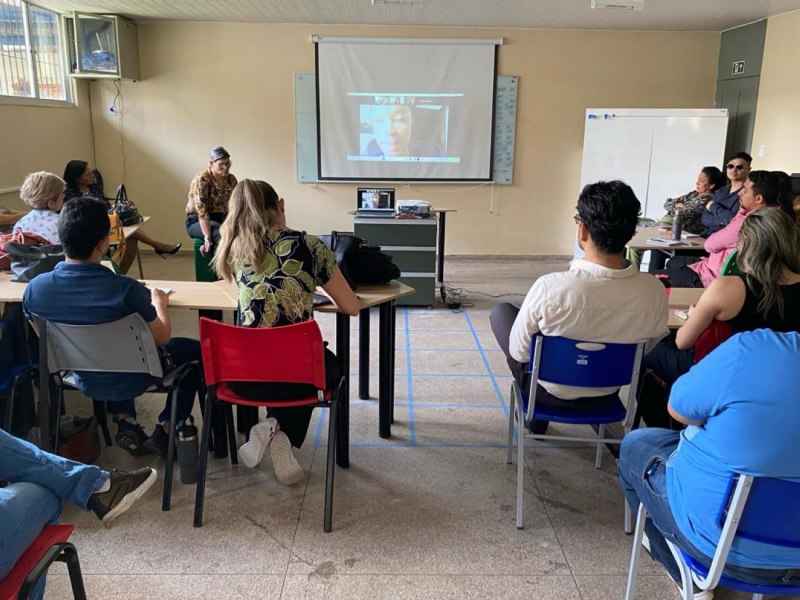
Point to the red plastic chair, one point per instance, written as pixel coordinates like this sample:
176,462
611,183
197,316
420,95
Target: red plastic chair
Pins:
50,546
290,354
713,335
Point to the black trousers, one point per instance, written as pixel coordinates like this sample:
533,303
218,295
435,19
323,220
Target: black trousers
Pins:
293,421
667,361
194,230
679,274
502,320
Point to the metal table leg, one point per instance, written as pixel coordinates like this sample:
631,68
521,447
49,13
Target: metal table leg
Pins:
394,357
363,354
440,254
343,356
385,374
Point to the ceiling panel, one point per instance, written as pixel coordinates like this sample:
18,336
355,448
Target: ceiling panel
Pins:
658,15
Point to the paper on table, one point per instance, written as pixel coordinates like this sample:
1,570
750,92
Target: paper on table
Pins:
662,242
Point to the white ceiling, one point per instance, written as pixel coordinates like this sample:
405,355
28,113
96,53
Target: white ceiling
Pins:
659,15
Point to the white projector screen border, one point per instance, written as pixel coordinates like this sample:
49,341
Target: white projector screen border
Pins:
426,41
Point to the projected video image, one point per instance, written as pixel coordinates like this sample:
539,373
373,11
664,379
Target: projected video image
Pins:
404,128
375,199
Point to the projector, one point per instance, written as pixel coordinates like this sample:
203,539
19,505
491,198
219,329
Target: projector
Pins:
415,208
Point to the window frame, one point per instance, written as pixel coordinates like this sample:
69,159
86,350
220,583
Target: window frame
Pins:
69,83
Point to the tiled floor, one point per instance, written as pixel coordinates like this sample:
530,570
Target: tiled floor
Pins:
426,514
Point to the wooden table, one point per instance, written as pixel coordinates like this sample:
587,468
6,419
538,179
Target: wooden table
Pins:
681,299
639,240
223,296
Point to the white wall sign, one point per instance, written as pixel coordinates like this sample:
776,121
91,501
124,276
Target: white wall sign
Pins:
738,67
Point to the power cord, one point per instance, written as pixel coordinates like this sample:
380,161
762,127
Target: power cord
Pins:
453,298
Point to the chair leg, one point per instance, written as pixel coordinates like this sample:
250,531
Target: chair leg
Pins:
686,574
8,421
333,428
57,420
101,415
628,527
630,591
598,459
511,400
203,467
520,462
70,556
758,596
173,416
231,434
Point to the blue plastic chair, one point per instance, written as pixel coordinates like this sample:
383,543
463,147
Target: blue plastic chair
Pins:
760,509
580,364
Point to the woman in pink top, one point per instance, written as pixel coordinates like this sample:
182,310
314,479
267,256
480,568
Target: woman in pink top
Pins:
761,190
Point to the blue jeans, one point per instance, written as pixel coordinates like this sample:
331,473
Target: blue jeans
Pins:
643,476
119,389
40,484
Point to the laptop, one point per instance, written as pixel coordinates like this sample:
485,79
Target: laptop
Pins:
375,202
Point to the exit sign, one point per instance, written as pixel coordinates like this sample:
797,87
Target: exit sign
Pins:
738,67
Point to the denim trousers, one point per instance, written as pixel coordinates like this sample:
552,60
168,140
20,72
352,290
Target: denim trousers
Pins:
643,475
40,484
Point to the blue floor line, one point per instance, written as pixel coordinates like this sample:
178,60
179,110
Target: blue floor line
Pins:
320,424
412,427
486,364
354,374
464,446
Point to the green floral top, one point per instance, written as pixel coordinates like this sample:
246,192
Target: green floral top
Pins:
280,291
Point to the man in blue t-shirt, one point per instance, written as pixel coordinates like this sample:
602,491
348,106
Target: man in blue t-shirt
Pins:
746,422
81,291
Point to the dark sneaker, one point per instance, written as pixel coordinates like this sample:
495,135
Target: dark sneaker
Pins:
126,488
538,426
158,442
131,438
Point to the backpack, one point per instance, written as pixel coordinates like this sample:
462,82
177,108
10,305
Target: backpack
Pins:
358,261
17,237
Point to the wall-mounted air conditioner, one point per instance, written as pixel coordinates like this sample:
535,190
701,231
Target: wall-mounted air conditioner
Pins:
101,46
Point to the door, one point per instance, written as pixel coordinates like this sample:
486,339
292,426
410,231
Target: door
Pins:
740,97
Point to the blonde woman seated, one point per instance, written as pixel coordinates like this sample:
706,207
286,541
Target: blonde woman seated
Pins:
44,193
257,248
765,296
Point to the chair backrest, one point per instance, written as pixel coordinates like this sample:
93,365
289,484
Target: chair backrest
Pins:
729,267
290,354
771,512
584,364
124,346
711,337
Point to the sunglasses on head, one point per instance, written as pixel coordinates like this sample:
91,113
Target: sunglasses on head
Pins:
736,167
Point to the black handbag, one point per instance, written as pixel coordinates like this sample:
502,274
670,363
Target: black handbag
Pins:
125,210
28,261
343,246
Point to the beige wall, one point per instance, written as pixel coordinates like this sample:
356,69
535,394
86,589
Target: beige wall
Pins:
41,138
231,84
777,125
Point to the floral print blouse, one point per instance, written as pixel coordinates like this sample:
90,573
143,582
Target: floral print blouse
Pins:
692,212
280,290
206,198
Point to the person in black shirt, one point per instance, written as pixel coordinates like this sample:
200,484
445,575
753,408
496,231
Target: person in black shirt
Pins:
725,205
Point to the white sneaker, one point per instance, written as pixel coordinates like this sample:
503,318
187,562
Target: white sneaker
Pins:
287,469
252,452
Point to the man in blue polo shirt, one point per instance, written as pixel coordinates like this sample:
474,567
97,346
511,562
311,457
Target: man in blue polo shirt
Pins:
746,422
719,212
81,291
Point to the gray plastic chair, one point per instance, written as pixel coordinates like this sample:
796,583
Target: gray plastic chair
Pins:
124,346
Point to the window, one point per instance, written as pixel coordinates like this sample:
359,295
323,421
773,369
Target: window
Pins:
31,61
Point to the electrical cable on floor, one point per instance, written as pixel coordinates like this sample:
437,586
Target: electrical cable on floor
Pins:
453,298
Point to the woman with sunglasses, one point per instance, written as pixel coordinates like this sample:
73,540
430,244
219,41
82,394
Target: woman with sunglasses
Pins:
209,195
725,205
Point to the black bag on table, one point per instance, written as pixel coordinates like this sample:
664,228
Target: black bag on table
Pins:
125,210
343,245
358,261
28,261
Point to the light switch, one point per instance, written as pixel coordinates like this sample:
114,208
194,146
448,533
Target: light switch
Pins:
762,150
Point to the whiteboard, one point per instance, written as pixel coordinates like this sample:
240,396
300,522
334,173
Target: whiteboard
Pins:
658,152
305,122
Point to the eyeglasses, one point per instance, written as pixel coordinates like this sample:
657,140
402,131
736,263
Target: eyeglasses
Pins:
736,167
578,220
225,165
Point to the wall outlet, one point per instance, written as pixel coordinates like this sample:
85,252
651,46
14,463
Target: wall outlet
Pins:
762,150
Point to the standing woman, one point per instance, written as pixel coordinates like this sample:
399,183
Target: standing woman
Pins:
208,199
81,181
284,266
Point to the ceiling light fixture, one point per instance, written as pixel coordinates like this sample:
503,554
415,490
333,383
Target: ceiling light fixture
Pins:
396,2
619,4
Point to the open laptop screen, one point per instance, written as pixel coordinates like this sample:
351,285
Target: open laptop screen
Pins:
376,199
